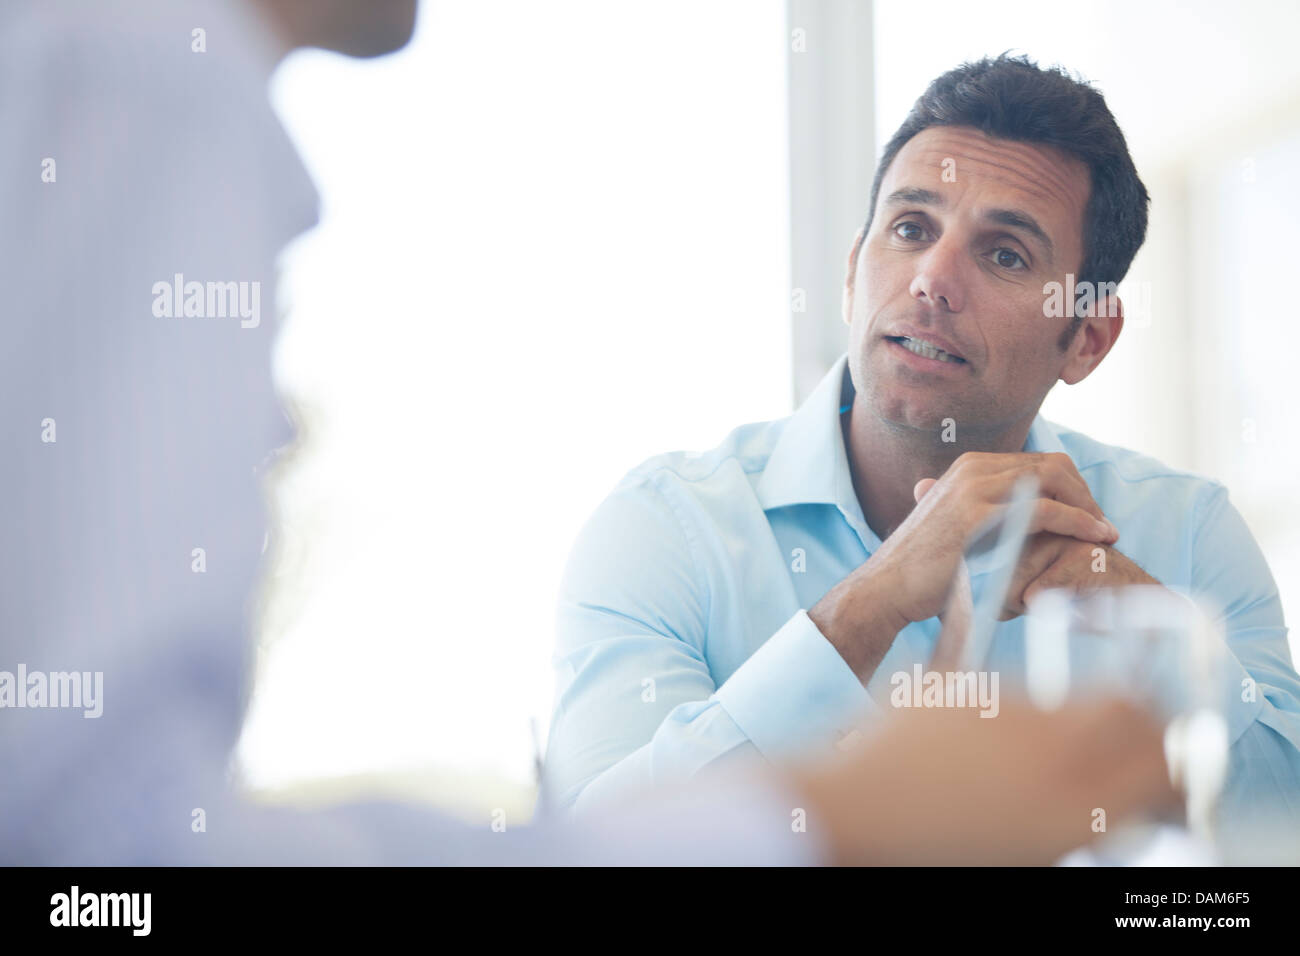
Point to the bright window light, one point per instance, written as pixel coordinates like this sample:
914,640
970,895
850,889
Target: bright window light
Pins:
554,243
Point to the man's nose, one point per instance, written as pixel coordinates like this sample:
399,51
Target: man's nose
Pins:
939,279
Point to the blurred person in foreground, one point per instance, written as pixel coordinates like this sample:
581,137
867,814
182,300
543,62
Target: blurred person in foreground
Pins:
775,589
148,189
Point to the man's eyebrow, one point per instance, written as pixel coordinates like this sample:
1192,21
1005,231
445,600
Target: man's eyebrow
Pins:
1017,219
911,195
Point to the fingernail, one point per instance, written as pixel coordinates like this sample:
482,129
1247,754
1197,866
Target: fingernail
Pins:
1114,531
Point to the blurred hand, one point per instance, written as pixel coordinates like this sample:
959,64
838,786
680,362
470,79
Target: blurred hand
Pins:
946,787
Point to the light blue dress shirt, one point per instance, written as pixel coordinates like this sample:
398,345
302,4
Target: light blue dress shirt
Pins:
684,640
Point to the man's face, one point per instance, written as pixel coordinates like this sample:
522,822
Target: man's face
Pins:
967,231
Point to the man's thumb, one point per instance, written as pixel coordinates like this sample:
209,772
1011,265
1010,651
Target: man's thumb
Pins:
922,486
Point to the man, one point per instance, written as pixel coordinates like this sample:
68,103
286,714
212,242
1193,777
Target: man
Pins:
759,598
149,188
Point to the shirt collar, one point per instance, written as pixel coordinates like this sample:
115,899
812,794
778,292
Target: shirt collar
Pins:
809,464
797,471
1043,437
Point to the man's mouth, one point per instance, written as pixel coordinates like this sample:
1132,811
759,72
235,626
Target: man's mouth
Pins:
925,349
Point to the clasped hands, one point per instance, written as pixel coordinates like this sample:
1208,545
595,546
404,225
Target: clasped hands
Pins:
1071,545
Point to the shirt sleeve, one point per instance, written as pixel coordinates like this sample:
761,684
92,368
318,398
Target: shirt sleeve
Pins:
636,702
1264,714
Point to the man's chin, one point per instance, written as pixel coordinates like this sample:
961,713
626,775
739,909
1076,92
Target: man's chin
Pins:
910,412
926,421
379,28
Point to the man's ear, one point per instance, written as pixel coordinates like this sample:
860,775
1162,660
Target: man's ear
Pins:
1097,334
846,302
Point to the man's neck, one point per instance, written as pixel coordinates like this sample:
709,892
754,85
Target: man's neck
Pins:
887,460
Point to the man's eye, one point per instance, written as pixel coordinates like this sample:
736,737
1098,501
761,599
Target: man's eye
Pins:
1008,258
910,231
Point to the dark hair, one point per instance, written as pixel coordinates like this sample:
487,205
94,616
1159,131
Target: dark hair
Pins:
1012,98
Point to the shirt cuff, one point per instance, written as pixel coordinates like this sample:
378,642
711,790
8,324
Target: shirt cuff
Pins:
794,692
1240,713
